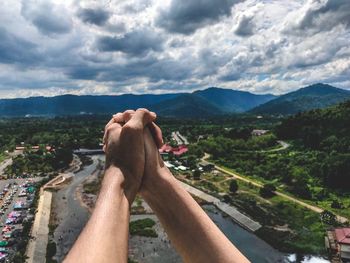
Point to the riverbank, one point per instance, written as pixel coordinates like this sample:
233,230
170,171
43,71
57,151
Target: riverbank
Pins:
72,215
68,216
38,245
86,192
159,249
36,250
231,211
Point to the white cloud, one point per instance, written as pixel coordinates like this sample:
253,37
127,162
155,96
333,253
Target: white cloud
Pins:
51,47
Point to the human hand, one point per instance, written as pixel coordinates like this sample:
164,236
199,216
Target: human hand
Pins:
124,147
155,170
154,166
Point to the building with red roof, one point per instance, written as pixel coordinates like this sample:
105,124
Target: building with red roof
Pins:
342,236
178,151
339,240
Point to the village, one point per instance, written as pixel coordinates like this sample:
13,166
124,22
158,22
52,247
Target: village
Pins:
201,178
337,240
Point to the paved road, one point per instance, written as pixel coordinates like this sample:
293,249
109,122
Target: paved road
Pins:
237,216
36,250
314,208
284,145
179,138
4,164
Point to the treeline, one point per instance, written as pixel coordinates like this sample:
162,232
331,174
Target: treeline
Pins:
39,162
326,131
63,132
224,146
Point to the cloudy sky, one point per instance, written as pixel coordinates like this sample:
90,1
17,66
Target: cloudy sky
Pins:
52,47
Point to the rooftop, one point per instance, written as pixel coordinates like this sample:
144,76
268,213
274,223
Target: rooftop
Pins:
343,235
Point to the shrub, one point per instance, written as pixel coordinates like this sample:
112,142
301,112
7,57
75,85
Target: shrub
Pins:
268,191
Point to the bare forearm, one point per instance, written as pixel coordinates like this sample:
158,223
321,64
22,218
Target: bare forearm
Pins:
190,229
105,237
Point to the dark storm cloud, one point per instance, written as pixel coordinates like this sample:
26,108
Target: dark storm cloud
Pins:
245,26
16,50
185,16
97,17
83,72
46,17
231,77
175,86
136,43
151,68
325,17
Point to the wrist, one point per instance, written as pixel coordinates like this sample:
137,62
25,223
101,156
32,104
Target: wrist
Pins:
115,180
154,184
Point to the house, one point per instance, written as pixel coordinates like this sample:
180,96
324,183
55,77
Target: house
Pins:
338,242
169,165
343,240
182,168
207,167
178,151
259,132
33,148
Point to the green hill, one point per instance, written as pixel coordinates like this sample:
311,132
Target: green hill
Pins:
233,100
312,97
187,106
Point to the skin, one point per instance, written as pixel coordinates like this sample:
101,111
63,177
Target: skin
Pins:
133,164
105,237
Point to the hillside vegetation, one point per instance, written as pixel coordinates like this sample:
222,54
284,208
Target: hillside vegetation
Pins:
312,97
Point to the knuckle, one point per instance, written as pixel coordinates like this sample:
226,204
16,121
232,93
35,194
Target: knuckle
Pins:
128,127
128,112
143,110
112,128
131,128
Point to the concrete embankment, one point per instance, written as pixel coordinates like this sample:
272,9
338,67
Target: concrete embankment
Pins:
36,250
237,216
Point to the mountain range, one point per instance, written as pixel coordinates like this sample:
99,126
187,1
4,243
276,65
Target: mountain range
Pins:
316,96
202,103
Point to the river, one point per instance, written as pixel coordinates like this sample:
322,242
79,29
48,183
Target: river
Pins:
70,214
72,217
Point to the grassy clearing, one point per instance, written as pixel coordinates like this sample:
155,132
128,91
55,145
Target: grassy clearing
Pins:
324,204
143,227
3,156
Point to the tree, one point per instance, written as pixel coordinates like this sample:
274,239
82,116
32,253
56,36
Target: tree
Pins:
233,186
191,161
336,204
267,190
196,175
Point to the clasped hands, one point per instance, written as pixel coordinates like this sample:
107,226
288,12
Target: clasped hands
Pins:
131,141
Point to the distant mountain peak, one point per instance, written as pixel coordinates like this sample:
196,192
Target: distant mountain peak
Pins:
311,97
321,88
